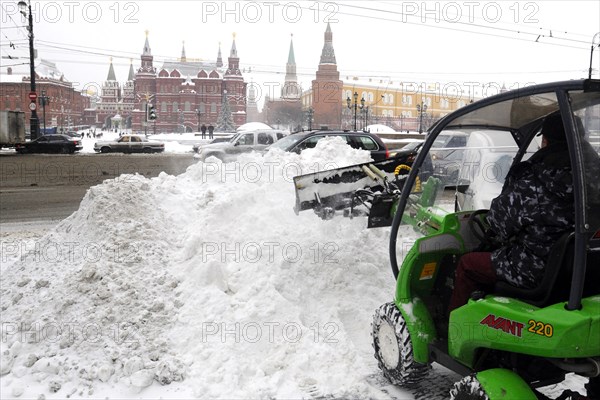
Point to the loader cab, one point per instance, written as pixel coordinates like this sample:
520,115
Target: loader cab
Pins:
501,131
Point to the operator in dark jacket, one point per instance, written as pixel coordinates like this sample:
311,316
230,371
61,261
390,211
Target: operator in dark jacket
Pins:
534,209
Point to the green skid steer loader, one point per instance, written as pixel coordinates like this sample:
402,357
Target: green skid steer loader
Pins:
508,343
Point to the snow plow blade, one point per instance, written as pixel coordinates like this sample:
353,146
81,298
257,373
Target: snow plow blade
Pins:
367,189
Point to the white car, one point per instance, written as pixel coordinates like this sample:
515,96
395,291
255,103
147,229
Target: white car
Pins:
129,144
486,159
242,142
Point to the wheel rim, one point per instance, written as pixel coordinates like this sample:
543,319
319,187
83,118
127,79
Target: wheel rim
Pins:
388,345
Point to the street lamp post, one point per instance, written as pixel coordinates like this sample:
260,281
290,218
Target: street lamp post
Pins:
366,120
597,35
421,109
362,104
33,121
198,113
44,100
309,113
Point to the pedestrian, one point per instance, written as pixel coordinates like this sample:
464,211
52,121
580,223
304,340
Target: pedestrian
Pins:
211,129
203,130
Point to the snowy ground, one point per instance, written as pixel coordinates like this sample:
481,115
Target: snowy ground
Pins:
217,290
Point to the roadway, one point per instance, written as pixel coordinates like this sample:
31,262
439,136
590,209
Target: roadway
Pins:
42,187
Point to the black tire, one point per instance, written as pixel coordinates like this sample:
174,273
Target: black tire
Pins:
105,150
393,348
468,388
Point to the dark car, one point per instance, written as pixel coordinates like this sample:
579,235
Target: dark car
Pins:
359,140
50,144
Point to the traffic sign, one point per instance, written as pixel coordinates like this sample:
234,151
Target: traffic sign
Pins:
32,96
32,106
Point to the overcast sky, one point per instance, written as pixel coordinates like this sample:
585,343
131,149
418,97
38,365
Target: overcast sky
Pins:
478,42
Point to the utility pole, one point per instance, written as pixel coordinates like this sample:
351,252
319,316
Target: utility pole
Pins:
34,122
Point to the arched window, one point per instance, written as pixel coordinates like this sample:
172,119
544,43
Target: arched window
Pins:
187,106
175,106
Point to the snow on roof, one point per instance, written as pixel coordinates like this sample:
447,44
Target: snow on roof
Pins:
250,126
379,128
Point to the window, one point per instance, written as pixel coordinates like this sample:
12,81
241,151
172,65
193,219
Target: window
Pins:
279,135
246,140
163,107
366,143
264,138
135,139
187,106
175,106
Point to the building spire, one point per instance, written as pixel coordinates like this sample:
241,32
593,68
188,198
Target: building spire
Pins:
219,58
111,72
291,58
233,67
131,75
328,54
183,57
233,53
290,89
147,50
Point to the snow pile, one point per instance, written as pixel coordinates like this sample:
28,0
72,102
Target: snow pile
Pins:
207,278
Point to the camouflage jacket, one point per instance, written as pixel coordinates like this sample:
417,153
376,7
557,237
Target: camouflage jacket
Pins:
534,209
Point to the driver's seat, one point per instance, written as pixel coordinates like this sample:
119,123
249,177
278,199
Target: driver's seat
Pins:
558,268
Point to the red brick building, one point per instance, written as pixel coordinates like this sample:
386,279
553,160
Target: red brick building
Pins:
66,105
185,94
327,88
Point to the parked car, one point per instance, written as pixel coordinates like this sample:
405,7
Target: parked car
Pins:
408,148
242,142
448,142
73,134
129,144
50,144
358,140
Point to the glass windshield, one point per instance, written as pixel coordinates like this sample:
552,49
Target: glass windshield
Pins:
286,142
234,138
586,107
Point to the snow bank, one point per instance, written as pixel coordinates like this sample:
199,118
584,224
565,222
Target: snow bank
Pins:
207,280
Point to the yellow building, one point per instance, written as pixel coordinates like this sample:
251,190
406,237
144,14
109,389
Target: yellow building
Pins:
411,106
